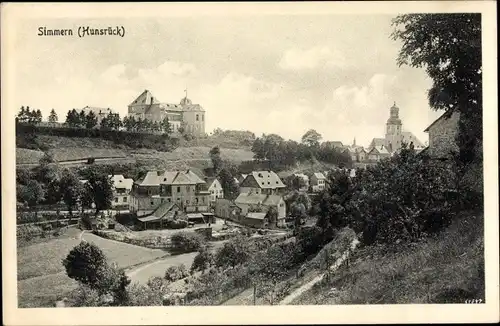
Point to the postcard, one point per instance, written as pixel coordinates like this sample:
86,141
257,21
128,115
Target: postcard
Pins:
249,163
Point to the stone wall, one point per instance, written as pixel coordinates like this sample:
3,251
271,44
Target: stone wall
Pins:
442,136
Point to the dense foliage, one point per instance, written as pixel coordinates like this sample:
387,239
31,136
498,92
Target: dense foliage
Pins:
448,46
187,242
279,154
26,137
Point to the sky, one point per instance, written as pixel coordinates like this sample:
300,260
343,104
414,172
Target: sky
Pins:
279,74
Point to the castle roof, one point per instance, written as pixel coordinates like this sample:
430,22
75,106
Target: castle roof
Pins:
145,98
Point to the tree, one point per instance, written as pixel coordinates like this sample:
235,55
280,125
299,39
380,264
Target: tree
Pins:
33,194
72,118
165,126
448,46
229,186
311,138
233,253
216,159
86,263
90,120
53,116
99,189
294,182
203,260
71,189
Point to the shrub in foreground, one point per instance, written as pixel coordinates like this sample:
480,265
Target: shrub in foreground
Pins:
186,242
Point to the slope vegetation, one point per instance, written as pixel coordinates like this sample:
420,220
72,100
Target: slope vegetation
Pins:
448,268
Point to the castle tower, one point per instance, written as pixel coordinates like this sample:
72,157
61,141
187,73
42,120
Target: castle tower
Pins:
393,130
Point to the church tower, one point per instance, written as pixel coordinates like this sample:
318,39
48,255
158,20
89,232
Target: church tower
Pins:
393,130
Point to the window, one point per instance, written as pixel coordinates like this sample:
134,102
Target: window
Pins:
162,200
168,200
197,117
124,199
197,200
178,189
116,199
152,203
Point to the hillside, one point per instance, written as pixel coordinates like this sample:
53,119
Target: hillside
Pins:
79,148
448,268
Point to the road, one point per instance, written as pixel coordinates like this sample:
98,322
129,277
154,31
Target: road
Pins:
142,274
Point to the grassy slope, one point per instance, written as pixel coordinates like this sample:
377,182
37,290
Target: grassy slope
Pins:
41,275
447,268
65,148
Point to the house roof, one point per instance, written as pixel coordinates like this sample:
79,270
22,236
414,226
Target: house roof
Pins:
408,135
96,110
145,98
163,210
446,115
155,178
256,216
380,150
267,179
319,175
210,181
119,181
377,142
360,149
255,199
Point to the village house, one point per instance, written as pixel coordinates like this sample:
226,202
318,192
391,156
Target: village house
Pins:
183,188
442,135
215,188
262,182
160,216
378,153
318,182
184,116
227,209
121,191
261,203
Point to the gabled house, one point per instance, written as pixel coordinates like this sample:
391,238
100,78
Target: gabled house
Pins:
442,135
183,188
376,142
215,188
160,216
262,182
318,182
261,203
378,153
226,209
361,154
121,190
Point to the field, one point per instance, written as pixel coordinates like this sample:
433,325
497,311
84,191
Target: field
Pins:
41,275
28,156
447,268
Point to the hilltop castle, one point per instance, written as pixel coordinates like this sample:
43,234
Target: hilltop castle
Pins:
184,116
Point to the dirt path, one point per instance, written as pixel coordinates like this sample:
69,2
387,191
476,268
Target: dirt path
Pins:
307,286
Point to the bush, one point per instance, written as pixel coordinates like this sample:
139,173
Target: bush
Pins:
177,224
174,273
203,260
310,240
186,242
233,253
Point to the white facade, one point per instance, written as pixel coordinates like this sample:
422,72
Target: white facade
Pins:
216,191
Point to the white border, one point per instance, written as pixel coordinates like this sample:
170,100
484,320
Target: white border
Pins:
489,312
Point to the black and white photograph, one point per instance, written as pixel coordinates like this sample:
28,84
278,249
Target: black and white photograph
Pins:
201,155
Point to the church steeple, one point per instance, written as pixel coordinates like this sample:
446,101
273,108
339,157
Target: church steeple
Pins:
354,142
